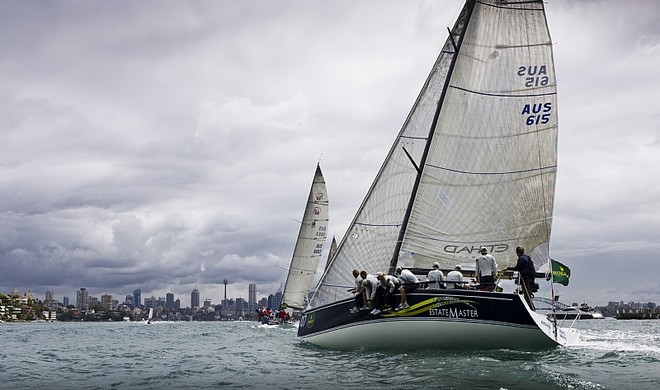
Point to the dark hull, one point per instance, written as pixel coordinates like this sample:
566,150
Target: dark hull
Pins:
436,318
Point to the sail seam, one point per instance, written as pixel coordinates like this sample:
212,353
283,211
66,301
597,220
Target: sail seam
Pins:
378,224
509,4
502,95
493,137
449,241
548,168
411,137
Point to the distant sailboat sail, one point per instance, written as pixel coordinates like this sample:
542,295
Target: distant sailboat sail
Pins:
309,246
331,252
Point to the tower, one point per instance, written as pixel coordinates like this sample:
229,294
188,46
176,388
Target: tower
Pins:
225,303
252,297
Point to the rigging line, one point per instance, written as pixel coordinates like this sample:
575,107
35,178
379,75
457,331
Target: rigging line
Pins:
502,95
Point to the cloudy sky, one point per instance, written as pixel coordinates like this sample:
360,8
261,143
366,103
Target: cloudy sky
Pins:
168,145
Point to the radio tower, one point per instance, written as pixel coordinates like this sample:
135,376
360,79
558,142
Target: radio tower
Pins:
225,303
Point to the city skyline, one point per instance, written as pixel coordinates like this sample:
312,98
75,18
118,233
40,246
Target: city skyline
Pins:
50,294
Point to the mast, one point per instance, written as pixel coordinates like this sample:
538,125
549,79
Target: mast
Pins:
469,4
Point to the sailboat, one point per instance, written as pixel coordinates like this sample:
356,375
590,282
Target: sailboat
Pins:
309,246
474,165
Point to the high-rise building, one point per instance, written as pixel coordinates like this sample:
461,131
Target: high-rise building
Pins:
151,302
65,301
169,301
194,299
106,301
252,297
207,303
82,299
49,301
277,301
240,303
137,297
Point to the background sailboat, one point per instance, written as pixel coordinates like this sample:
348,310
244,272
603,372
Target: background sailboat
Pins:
309,246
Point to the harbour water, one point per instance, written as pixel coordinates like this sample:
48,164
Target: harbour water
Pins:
613,354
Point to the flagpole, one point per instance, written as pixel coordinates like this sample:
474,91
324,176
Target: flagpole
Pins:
552,298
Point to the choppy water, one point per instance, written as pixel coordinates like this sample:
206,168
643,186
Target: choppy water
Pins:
613,354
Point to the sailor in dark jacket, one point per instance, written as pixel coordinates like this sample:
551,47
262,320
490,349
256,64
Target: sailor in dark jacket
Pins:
525,266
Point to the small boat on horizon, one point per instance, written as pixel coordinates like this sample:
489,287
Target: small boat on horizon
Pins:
562,311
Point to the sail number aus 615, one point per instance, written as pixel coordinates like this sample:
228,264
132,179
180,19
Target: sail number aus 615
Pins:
537,113
534,75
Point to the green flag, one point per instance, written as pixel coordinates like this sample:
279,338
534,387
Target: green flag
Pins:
560,273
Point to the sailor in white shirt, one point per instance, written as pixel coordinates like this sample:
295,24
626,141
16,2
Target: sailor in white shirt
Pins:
408,282
435,277
370,284
357,292
485,270
455,278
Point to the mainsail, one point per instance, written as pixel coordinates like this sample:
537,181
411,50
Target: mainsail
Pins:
475,161
307,252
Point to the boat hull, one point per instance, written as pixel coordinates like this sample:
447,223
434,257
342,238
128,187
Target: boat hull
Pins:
447,319
572,315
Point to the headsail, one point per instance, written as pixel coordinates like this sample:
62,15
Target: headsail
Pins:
307,253
483,133
331,253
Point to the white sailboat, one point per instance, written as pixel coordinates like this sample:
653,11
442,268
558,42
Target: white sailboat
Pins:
473,165
309,246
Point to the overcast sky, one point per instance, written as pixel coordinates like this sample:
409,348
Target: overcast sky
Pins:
169,145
